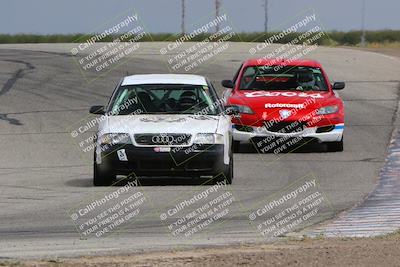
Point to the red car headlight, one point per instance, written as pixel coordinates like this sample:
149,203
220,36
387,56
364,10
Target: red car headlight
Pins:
243,109
328,110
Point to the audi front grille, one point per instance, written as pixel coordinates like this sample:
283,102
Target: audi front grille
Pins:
163,139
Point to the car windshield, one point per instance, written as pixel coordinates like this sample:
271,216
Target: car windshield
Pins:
283,78
163,99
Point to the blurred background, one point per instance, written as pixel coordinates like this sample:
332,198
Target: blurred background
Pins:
56,17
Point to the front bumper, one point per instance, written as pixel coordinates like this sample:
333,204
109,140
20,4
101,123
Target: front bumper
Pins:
192,161
333,135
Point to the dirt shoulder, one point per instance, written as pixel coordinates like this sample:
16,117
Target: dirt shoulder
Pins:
384,251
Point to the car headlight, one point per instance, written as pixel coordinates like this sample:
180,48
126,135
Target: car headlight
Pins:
328,110
115,138
243,109
208,138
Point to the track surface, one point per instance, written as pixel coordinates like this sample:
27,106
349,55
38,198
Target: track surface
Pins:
43,173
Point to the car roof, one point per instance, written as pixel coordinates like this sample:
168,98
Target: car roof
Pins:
164,79
283,62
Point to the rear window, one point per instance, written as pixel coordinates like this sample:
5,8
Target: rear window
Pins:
283,78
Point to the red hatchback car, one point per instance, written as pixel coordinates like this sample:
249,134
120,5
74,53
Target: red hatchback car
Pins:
282,103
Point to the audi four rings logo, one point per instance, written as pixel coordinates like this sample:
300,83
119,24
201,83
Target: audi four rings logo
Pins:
163,139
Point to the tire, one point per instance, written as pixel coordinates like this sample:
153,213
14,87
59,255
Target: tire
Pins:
236,146
335,146
228,175
101,177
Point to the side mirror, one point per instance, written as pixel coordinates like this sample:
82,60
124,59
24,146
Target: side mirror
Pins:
99,110
227,84
229,110
338,86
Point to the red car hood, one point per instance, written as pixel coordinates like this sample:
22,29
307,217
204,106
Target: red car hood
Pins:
267,104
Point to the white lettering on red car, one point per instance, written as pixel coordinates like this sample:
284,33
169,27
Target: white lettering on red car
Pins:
288,94
284,105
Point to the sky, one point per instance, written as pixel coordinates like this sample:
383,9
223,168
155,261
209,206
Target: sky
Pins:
158,16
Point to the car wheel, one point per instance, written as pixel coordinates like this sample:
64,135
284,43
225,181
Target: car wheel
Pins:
101,177
236,146
229,172
335,146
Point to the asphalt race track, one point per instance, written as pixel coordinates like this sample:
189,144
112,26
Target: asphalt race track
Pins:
44,175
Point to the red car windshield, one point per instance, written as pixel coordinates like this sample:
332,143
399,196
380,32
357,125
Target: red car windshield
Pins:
283,78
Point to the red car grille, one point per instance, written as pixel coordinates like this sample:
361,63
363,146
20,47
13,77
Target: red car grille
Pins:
285,126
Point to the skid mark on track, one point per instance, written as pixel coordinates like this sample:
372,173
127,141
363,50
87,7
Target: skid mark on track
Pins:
12,121
19,74
16,76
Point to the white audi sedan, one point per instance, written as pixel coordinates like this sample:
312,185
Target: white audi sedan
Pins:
163,125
